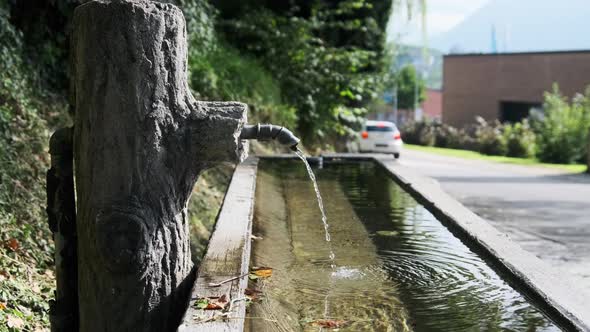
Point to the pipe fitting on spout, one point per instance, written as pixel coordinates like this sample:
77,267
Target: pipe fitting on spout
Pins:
267,132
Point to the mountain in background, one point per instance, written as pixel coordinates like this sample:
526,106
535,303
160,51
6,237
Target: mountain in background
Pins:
520,26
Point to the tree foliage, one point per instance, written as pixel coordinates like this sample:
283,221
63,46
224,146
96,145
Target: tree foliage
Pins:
219,71
45,26
325,58
411,90
325,55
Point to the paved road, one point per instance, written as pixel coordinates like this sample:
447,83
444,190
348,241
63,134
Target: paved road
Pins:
545,210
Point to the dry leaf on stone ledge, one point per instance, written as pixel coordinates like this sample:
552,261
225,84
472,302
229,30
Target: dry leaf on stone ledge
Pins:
212,303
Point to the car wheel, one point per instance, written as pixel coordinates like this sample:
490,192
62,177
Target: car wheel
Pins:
396,155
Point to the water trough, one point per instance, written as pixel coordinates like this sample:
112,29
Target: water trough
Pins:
229,251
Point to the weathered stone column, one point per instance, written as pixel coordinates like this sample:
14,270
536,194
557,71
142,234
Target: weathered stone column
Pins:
61,213
140,142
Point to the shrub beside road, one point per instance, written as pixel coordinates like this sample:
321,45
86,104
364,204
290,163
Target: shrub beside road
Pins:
557,135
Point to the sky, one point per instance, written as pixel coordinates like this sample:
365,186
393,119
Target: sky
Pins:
441,16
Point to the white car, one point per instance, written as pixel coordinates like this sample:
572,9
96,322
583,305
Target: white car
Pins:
381,136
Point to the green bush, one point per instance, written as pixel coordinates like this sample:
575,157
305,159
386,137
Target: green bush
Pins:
218,71
445,135
516,140
420,133
482,137
520,140
224,74
464,140
558,135
429,133
489,137
563,130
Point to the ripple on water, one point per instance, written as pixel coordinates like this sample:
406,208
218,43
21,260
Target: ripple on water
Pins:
343,272
396,267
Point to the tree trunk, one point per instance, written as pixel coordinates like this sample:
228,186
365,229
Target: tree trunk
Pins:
140,142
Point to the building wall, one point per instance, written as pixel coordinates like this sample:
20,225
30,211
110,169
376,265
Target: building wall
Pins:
432,105
477,84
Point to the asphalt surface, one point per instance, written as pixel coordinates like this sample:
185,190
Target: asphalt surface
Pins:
545,210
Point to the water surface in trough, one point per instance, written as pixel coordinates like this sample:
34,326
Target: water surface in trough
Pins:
396,267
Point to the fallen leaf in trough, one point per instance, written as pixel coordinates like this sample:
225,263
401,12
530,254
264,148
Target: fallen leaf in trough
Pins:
261,272
2,306
329,323
212,303
252,294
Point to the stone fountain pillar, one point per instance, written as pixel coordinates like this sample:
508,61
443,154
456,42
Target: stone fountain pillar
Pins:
140,141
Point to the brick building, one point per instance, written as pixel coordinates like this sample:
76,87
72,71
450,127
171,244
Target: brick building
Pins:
506,86
430,109
432,105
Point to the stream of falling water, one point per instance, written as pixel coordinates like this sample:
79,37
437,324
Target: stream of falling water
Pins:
326,226
320,204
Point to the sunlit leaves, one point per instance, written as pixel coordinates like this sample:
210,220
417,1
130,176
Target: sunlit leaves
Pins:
325,61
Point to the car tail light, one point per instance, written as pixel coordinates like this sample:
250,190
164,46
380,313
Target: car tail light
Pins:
397,136
365,134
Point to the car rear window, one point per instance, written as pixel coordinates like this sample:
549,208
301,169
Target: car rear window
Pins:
380,128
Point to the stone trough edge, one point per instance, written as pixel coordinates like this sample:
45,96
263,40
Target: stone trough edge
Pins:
227,256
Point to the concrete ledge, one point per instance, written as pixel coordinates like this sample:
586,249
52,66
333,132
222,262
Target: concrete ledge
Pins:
553,293
227,256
